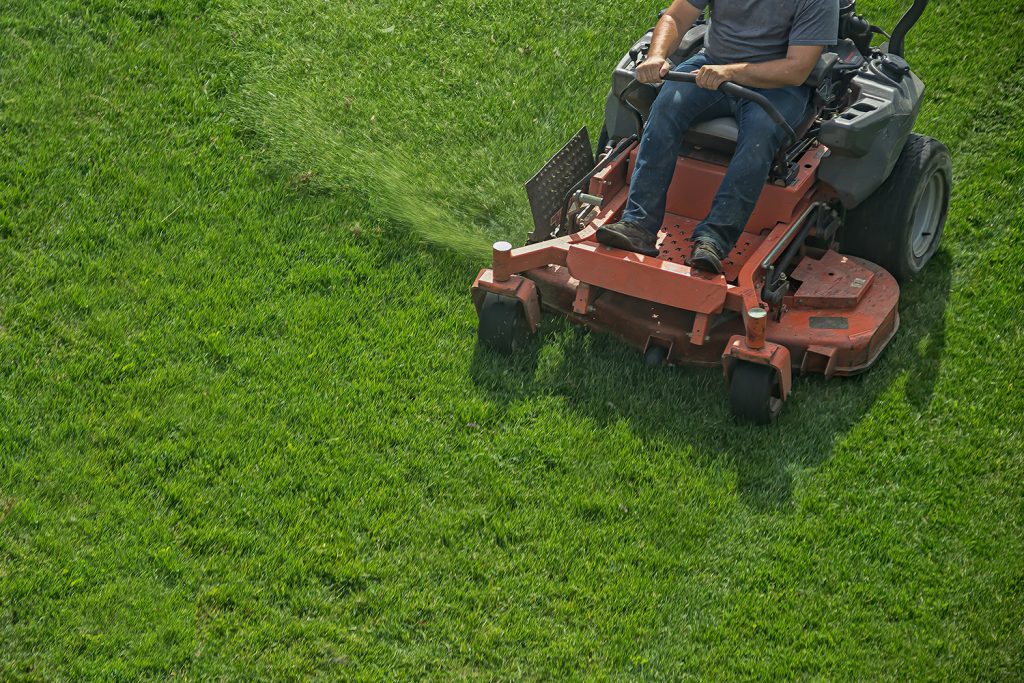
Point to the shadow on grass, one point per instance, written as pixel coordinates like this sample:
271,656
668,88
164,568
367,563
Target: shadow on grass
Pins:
603,380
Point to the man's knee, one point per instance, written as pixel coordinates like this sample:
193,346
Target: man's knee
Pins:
759,137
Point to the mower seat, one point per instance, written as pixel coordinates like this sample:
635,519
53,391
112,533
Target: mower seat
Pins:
718,134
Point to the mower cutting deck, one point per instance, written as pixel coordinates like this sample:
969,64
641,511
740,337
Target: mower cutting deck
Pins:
788,299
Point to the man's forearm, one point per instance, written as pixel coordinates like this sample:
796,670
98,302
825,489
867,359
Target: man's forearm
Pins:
666,38
777,73
671,28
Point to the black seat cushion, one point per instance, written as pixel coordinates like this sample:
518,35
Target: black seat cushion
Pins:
717,134
720,134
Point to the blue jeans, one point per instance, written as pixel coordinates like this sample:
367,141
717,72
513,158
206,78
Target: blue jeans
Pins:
679,106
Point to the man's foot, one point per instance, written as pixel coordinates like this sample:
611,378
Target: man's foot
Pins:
705,256
628,236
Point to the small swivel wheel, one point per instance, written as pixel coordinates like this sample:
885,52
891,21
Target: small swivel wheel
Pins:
655,355
754,393
503,326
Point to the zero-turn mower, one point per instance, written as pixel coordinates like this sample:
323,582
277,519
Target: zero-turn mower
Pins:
855,204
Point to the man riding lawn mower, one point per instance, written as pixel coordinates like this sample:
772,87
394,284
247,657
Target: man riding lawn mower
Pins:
752,207
748,43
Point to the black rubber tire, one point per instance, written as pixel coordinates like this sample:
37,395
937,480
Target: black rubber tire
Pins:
502,326
655,355
754,394
884,228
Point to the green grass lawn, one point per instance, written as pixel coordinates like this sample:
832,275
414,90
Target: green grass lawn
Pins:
246,432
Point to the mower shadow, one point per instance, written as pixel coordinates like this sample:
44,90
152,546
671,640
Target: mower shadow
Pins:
602,380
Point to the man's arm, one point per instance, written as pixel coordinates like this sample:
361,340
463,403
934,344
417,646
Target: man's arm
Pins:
671,28
778,73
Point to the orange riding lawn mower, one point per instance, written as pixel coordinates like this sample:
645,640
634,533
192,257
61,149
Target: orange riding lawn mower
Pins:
855,204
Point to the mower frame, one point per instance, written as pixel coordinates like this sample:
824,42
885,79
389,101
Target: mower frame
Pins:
788,300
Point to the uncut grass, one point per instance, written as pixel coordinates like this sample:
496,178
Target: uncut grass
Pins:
436,115
246,431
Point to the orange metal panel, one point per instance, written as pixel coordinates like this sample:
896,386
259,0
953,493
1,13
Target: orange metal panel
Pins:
695,183
516,286
819,359
675,245
646,277
770,354
584,299
834,281
612,178
700,328
869,326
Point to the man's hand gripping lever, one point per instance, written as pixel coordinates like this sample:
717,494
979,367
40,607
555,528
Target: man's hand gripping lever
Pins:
653,70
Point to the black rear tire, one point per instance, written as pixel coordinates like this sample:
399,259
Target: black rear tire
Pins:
899,227
754,393
502,326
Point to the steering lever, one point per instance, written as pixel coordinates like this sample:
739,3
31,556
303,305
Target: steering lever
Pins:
730,88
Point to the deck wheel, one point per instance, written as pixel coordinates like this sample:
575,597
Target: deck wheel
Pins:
655,355
754,393
503,326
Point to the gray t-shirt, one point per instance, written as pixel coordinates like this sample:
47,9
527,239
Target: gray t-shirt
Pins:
762,30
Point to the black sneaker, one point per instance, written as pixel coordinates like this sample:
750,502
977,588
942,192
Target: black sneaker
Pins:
705,256
628,236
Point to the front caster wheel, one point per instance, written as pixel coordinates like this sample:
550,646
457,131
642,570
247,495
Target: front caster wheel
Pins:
754,393
503,325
